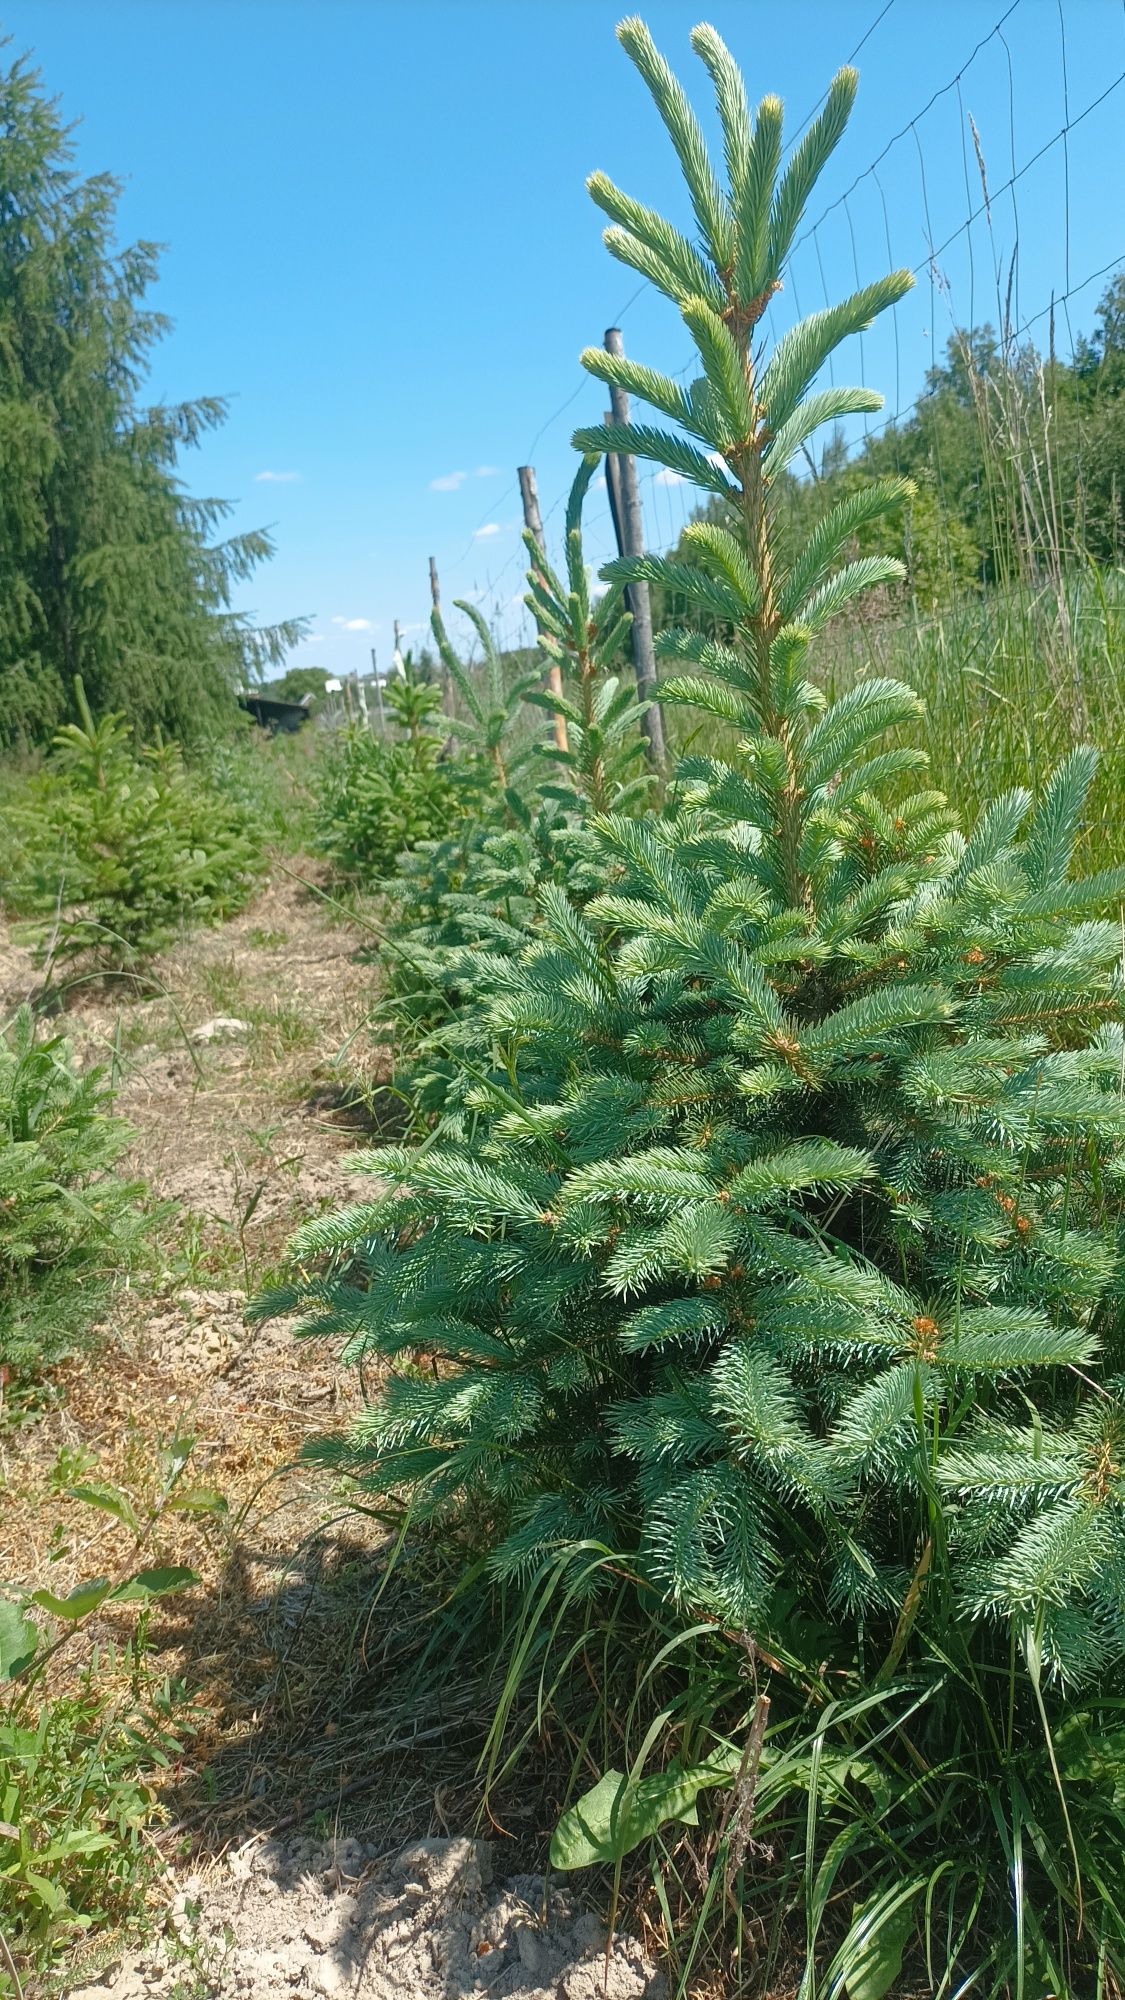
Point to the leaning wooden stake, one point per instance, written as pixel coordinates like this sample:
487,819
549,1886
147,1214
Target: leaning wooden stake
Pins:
446,683
625,506
533,522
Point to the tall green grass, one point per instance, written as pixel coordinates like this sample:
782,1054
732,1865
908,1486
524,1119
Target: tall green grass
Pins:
1012,678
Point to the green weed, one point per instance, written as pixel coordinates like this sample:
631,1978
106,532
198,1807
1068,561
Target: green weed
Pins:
80,1765
78,1786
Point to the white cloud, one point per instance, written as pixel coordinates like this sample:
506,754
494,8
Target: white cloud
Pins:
314,638
598,591
354,624
448,482
599,483
487,471
716,458
666,477
489,529
277,478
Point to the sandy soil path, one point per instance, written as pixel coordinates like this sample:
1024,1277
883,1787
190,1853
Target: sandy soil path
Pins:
249,1079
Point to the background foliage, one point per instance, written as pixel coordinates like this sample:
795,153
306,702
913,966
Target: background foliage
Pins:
108,568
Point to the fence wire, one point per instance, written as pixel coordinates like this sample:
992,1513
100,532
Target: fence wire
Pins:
978,266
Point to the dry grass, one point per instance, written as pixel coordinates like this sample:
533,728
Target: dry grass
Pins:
310,1688
306,1688
242,1136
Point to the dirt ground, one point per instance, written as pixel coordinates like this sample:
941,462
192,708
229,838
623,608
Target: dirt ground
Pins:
241,1131
312,1920
247,1071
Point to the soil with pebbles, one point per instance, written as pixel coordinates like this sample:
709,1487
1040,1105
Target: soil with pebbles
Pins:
216,1084
315,1921
238,1137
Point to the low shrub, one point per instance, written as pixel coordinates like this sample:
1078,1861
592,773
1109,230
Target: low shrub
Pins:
114,852
378,799
763,1321
381,795
68,1223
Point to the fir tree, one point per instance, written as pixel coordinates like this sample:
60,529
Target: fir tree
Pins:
779,1257
487,730
379,796
108,569
114,853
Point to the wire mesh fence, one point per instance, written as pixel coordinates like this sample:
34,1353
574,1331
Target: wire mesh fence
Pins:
992,191
1003,221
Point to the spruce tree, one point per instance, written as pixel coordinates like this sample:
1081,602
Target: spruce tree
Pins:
69,1226
584,640
777,1267
108,569
466,907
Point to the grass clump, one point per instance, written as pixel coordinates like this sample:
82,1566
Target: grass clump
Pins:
757,1325
69,1224
1010,677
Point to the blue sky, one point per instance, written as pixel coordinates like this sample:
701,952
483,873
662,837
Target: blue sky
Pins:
380,244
